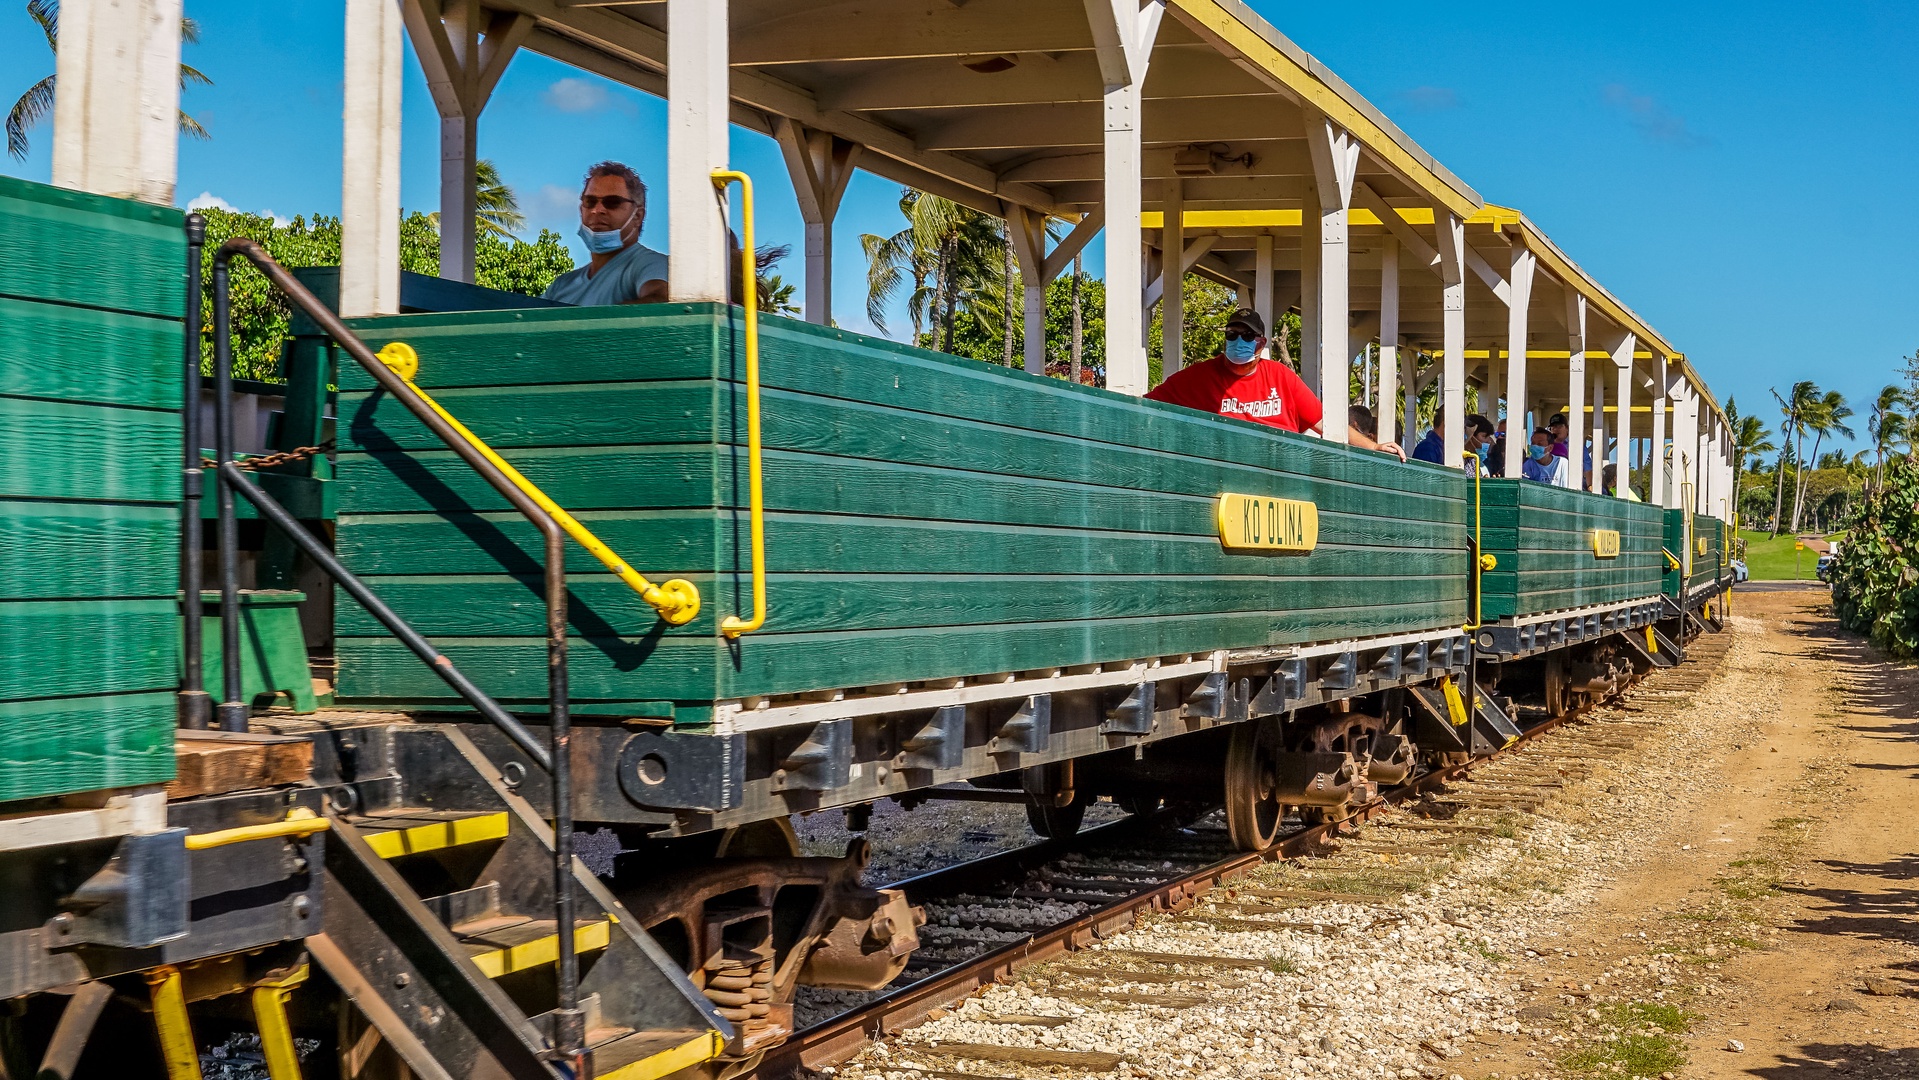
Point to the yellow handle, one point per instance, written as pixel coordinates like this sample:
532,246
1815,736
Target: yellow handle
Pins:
733,626
1672,561
677,601
299,822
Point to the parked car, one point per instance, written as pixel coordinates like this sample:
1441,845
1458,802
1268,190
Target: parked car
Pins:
1824,569
1739,570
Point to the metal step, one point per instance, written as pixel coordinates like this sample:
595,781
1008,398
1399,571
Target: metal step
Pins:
502,944
412,831
649,1055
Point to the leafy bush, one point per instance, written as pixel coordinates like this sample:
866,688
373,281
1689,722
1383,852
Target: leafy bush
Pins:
261,315
1875,582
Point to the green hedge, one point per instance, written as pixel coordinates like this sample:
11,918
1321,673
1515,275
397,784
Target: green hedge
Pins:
1875,582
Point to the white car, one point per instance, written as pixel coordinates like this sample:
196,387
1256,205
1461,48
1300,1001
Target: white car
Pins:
1739,570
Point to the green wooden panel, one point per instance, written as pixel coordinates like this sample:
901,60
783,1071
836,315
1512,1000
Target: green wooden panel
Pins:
700,670
100,357
928,516
88,550
65,648
62,450
1541,536
75,248
84,744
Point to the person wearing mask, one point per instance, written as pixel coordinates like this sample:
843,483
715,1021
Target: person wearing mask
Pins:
619,269
1610,478
1541,463
1237,382
1479,435
1496,454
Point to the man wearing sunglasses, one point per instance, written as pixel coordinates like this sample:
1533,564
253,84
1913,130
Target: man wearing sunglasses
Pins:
1238,383
620,269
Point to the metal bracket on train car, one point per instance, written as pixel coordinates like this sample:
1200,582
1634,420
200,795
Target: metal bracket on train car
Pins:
1432,721
1028,730
1492,722
136,901
1387,667
664,769
1134,715
823,761
940,743
1208,701
1414,659
1339,672
1287,685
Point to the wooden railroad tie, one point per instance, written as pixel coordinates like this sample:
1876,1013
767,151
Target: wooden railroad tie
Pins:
1089,1060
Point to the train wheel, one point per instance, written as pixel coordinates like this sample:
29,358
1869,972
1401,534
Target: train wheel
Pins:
1139,805
1559,700
1055,822
1253,810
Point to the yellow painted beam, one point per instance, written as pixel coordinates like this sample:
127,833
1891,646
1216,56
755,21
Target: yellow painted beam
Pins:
177,1049
1224,28
590,937
276,1033
393,843
707,1046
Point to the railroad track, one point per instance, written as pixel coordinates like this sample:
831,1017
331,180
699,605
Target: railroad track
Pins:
980,914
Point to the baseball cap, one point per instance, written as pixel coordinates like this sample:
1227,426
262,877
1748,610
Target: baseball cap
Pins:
1248,318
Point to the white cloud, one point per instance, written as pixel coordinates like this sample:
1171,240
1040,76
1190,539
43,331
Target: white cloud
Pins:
554,202
1431,98
574,95
1654,121
207,200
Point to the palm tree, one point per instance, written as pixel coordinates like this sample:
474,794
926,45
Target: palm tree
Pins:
1827,416
1748,441
1887,428
1792,407
33,106
958,248
496,206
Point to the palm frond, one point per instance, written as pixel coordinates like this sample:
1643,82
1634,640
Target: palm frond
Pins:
47,14
191,128
193,76
32,107
189,31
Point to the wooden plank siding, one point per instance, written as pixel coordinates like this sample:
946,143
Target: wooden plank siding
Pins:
1705,567
927,516
91,298
1542,539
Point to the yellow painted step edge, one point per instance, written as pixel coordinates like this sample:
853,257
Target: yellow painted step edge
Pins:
590,937
704,1047
440,834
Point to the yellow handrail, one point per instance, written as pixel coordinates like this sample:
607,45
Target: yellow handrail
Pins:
677,601
299,822
733,626
1484,562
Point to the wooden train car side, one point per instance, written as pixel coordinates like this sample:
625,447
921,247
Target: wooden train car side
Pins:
1558,549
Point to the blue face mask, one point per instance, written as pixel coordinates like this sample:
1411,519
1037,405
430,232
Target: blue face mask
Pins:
603,243
1539,452
1242,350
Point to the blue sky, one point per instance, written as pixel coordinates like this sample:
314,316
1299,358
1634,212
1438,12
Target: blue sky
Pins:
1738,173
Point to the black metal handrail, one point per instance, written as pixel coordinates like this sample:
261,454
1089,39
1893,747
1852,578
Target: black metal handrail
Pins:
569,1032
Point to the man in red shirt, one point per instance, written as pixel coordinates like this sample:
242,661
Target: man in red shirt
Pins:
1237,383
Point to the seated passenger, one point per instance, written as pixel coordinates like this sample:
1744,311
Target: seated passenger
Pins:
620,269
1541,463
1237,383
1479,435
1610,477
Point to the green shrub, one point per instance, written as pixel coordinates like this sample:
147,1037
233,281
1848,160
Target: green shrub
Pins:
1875,580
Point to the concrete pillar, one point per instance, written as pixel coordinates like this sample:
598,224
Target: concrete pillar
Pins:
1388,340
1335,155
370,160
820,164
697,107
116,116
1452,272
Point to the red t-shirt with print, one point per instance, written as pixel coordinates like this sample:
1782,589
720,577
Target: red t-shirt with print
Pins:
1270,394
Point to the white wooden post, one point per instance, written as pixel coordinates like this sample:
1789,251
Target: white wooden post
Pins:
1518,433
116,126
1592,482
1452,272
1123,37
1310,337
1575,385
1622,357
1172,307
820,164
463,52
1656,485
697,108
1389,340
1263,282
370,160
1335,155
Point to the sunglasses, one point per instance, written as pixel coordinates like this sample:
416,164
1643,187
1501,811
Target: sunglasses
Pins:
615,203
1241,335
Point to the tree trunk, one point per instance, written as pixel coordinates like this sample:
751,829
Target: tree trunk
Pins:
1079,343
1779,474
1799,495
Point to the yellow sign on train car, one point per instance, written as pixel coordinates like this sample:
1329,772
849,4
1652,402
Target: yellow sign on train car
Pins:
1704,545
1260,523
1606,543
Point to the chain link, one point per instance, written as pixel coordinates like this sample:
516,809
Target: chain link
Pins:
284,457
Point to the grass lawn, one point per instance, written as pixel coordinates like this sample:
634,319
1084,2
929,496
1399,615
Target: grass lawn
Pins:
1771,559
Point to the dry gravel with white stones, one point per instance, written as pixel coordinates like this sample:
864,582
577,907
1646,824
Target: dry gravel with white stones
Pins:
1392,956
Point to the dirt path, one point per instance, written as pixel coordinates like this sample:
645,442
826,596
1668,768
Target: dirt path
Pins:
1771,929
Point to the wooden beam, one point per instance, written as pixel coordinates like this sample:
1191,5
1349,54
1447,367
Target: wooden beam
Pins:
852,30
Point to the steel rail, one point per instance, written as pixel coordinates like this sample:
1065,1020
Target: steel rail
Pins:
569,1028
835,1040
